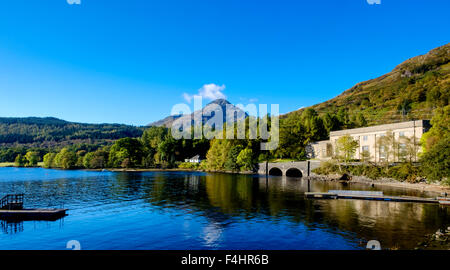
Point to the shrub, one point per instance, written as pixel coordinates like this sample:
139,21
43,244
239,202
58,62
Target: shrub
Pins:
436,161
189,165
373,172
327,167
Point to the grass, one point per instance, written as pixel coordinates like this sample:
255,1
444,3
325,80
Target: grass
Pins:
282,160
11,164
6,164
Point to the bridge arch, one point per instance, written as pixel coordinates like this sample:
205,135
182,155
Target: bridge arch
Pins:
275,171
294,172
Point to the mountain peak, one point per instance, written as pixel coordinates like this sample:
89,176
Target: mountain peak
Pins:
220,101
208,111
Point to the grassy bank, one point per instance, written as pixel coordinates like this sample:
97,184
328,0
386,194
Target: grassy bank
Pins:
12,164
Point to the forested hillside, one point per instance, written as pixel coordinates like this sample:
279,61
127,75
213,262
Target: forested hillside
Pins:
52,132
411,91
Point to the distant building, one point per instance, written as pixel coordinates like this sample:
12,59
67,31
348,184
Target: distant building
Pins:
194,159
368,138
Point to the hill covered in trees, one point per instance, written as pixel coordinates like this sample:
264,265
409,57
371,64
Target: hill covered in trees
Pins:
412,90
51,132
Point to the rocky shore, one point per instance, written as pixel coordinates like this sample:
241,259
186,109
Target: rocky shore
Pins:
440,240
422,186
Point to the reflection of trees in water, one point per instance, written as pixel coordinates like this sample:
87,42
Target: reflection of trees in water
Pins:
394,224
231,193
221,197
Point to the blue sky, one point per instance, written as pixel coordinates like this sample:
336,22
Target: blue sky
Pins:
131,61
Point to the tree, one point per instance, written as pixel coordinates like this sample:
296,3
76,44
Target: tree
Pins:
87,160
346,148
436,161
167,150
408,149
151,139
313,124
49,160
330,122
387,147
217,154
32,158
361,120
99,159
231,160
343,118
66,159
440,128
20,161
292,140
245,159
126,148
365,156
404,107
80,158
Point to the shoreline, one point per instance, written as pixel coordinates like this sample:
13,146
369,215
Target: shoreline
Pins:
389,182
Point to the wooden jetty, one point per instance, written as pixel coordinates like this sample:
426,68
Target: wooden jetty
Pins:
444,201
366,195
11,207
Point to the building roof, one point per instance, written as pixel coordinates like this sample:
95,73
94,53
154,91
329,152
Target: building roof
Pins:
195,157
409,124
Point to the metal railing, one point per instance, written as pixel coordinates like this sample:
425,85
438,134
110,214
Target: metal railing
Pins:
12,201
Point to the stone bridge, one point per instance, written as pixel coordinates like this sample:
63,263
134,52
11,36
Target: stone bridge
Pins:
290,169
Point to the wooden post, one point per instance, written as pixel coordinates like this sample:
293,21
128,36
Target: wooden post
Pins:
309,169
267,168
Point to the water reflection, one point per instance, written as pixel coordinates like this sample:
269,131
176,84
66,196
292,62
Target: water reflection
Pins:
214,205
398,225
13,227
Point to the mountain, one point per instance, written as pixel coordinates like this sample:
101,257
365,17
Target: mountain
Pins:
209,111
410,91
51,132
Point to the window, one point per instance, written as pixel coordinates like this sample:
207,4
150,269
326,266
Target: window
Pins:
402,150
401,134
382,152
365,154
365,138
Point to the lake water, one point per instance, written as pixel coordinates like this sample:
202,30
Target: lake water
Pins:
191,210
